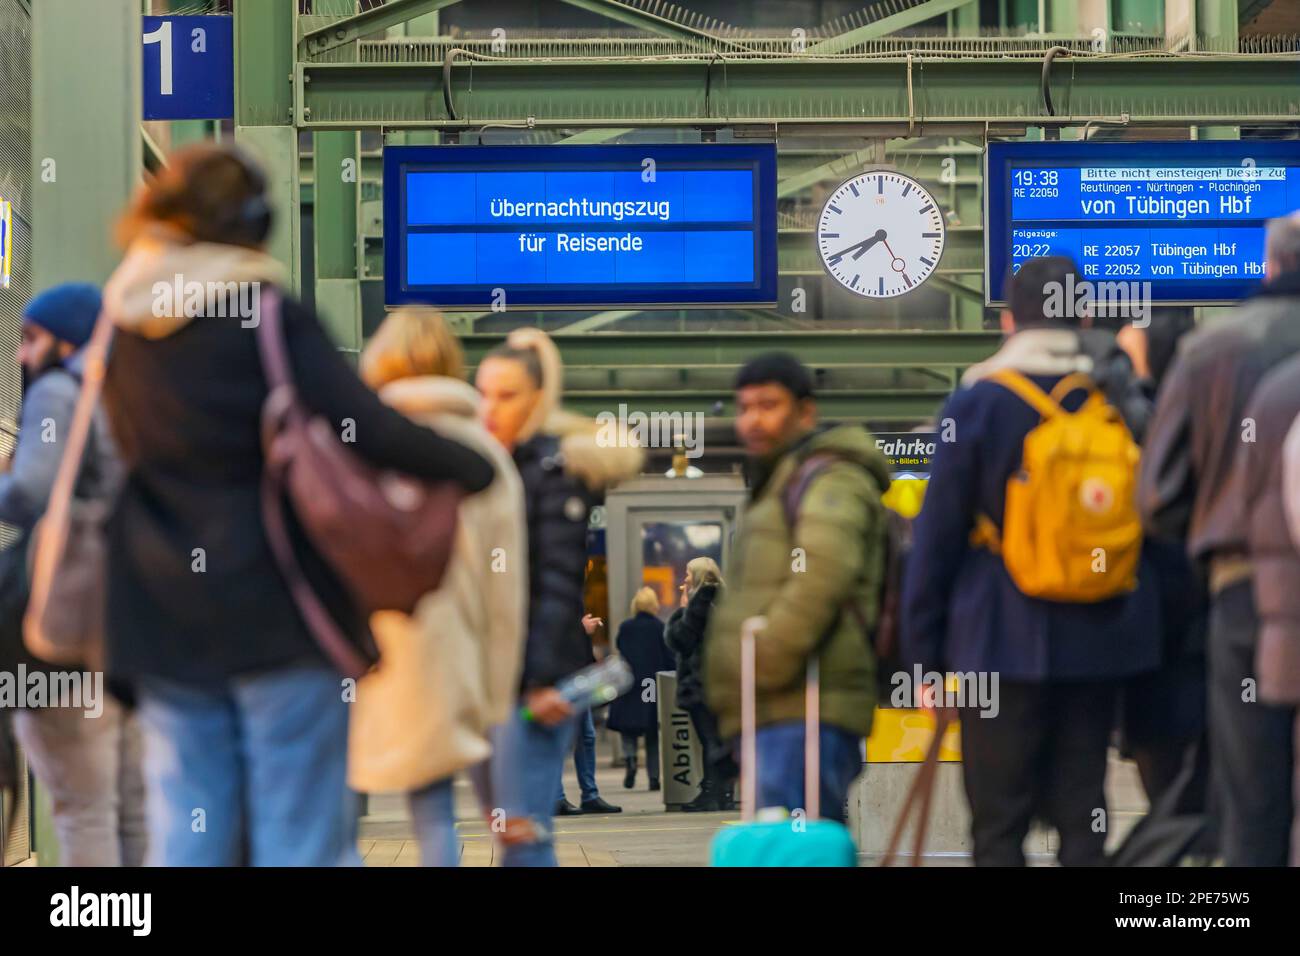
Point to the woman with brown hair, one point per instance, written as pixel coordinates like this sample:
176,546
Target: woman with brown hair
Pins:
245,723
449,672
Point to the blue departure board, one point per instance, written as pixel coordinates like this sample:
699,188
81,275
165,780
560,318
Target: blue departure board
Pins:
580,226
1186,217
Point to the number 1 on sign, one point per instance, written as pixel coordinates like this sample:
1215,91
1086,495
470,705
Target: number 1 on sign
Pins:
163,37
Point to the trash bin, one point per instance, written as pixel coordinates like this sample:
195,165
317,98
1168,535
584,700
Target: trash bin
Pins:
679,748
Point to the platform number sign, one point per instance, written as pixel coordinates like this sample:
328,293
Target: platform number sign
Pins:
189,68
880,234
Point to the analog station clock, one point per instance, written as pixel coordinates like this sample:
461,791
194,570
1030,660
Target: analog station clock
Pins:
880,234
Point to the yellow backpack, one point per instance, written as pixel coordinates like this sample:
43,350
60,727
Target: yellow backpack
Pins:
1071,530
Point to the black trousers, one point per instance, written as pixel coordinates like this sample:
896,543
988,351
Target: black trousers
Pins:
719,766
651,750
1043,756
1252,744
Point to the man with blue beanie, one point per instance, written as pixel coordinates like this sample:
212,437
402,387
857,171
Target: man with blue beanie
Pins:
56,324
86,753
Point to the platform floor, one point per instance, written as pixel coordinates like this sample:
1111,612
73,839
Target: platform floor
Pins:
644,834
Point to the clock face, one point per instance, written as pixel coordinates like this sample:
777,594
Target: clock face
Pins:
880,234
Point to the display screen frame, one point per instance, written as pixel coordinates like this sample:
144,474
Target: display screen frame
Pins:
1001,156
401,161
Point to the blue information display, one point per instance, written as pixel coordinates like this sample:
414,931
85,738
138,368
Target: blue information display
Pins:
189,67
580,226
1186,217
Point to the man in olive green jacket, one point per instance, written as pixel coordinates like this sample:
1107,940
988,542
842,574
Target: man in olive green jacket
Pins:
814,585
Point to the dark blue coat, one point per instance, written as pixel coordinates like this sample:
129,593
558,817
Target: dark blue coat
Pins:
961,611
641,643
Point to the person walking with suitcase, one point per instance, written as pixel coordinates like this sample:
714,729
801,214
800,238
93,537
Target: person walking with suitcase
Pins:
816,582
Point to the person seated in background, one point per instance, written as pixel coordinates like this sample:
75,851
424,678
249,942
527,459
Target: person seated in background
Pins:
640,641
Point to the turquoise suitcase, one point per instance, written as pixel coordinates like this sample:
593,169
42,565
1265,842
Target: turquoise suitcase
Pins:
760,840
785,843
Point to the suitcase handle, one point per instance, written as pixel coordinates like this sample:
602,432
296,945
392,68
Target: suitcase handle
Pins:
749,628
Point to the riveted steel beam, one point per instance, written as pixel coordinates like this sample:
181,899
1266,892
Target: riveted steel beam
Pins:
916,95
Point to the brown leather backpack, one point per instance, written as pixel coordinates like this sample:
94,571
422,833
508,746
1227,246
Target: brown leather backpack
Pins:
387,536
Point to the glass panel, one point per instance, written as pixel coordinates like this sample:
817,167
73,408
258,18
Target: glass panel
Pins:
667,547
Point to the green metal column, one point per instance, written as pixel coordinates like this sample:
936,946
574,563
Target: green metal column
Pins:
265,35
336,173
1216,22
85,90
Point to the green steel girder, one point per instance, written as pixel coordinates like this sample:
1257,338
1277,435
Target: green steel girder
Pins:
349,29
917,94
833,347
910,15
796,170
885,404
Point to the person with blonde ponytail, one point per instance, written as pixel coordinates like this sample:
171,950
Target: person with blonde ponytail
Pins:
565,471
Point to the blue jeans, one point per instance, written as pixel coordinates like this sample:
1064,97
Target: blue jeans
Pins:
527,765
584,759
253,771
780,767
433,811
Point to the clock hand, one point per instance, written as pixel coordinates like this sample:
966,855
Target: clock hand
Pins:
865,244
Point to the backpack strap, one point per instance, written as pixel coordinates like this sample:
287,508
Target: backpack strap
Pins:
1024,389
792,496
795,489
1070,383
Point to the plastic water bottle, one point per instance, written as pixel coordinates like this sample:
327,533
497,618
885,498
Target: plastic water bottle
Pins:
594,685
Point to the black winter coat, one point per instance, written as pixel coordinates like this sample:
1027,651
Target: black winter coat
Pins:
641,643
185,411
685,637
558,505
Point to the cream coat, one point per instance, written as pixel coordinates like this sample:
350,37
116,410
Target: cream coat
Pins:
450,671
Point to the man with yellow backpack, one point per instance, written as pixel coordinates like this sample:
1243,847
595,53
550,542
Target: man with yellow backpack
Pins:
1027,564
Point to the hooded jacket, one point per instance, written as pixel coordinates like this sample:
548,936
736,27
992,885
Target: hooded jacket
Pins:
839,533
194,594
450,671
960,609
1273,554
565,467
